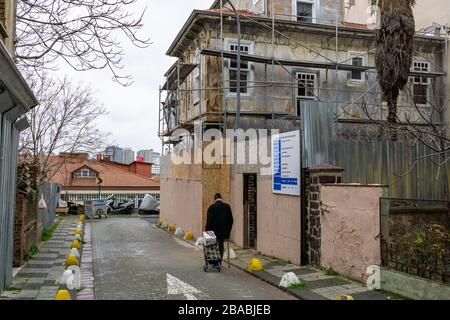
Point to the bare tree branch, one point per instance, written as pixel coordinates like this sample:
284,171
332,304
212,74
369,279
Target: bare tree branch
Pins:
83,33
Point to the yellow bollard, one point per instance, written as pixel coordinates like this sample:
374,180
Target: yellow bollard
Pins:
72,260
171,228
255,265
75,244
82,218
78,232
63,295
189,236
345,297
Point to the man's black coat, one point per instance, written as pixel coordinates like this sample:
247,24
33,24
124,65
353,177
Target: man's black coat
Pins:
219,220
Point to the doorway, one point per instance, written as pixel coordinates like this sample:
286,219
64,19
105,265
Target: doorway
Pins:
250,211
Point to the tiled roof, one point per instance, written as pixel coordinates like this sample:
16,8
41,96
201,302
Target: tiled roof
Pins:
63,167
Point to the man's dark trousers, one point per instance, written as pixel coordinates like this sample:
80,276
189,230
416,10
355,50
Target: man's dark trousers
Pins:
221,247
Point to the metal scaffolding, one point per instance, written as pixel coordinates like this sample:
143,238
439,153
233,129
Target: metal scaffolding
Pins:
169,109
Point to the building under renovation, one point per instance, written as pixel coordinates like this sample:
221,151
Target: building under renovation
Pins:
293,66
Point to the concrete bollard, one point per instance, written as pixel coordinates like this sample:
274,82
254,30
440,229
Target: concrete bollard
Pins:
63,295
72,260
255,265
75,244
289,279
179,232
75,252
199,242
232,254
189,236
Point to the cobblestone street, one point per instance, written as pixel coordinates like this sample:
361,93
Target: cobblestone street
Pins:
132,259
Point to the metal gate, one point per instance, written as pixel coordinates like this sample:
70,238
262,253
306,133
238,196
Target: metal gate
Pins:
250,210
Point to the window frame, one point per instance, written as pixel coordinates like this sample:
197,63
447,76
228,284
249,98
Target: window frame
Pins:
315,96
295,10
351,56
197,76
250,70
79,174
427,84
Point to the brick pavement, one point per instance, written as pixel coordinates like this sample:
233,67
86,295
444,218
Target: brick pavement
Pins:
134,260
38,278
317,285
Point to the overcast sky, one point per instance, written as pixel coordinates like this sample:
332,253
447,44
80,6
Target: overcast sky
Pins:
133,111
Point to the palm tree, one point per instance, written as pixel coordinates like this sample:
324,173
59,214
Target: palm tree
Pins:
394,51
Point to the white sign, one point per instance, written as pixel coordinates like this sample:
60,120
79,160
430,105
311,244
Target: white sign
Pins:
286,163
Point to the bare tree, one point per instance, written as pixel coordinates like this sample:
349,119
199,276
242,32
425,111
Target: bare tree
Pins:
64,121
425,124
83,33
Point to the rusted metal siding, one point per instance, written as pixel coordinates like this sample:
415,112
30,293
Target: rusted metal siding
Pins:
404,166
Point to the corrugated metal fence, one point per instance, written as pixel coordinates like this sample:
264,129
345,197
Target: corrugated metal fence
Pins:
51,192
9,137
405,166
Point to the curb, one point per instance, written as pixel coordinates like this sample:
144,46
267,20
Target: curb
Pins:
302,294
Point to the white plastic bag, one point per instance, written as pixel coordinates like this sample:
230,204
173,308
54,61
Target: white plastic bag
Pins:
209,238
42,204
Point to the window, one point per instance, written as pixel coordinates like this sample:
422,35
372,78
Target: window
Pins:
357,60
245,69
421,84
307,88
84,173
306,85
305,10
197,83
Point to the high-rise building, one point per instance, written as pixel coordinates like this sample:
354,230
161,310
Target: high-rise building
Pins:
128,156
115,153
151,157
146,154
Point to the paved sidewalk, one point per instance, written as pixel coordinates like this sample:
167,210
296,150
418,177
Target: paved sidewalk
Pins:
38,279
317,284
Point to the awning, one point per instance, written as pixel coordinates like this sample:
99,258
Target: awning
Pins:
16,97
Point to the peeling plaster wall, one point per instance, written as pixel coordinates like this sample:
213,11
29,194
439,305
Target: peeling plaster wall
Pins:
350,229
281,97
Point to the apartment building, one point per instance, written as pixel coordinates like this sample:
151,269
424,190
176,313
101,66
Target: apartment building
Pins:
16,99
304,67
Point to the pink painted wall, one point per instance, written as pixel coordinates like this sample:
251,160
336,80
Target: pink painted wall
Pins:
181,204
350,229
237,206
278,221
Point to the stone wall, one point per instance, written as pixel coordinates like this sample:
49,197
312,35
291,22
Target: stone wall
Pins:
317,177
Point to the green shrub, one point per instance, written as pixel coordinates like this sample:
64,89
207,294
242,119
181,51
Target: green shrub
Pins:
34,249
